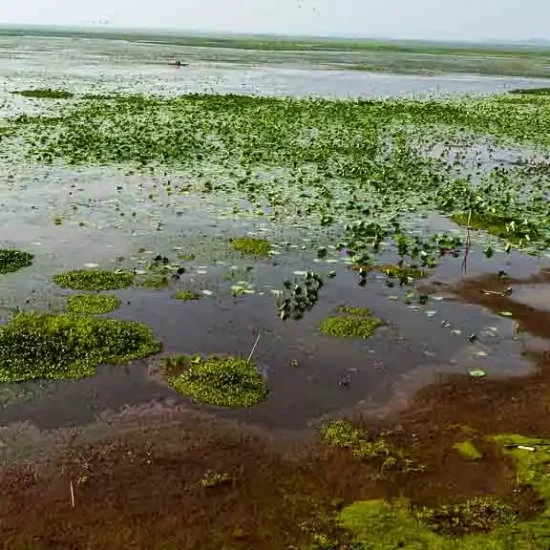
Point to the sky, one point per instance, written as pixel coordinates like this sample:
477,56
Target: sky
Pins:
415,19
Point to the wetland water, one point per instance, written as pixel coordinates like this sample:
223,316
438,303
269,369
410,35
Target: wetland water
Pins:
160,187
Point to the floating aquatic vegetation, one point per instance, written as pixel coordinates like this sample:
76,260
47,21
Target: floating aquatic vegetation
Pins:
45,94
13,260
468,450
94,279
224,381
186,295
299,297
92,304
250,246
58,346
352,322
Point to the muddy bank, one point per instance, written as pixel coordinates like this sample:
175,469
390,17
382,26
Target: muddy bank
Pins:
193,480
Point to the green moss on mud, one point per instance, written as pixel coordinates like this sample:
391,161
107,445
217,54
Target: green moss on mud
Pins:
259,248
92,304
355,322
186,296
218,380
13,260
468,450
45,94
341,434
383,525
94,279
46,346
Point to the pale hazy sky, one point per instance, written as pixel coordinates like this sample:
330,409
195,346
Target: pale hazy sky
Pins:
451,19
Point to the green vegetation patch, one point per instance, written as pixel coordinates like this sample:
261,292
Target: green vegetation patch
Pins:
94,279
186,296
224,381
92,304
259,248
468,450
505,226
46,346
341,434
14,260
531,91
45,94
354,322
476,515
404,273
484,523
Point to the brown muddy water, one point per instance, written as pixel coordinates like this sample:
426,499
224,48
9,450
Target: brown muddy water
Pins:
116,460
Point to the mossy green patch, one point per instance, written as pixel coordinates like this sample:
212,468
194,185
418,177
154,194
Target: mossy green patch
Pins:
259,248
45,94
186,295
382,525
13,260
218,380
476,515
46,346
356,322
468,450
94,279
92,304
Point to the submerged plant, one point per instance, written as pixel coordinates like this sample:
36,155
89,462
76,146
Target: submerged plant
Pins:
218,380
47,346
13,260
94,279
92,304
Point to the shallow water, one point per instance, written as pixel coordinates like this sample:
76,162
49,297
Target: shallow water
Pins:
108,218
87,65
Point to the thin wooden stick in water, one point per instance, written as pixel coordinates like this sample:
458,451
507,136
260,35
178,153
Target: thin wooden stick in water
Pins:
253,349
468,244
72,494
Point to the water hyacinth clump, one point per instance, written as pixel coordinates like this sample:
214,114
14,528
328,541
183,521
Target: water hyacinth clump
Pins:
92,304
64,346
13,260
94,279
224,381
